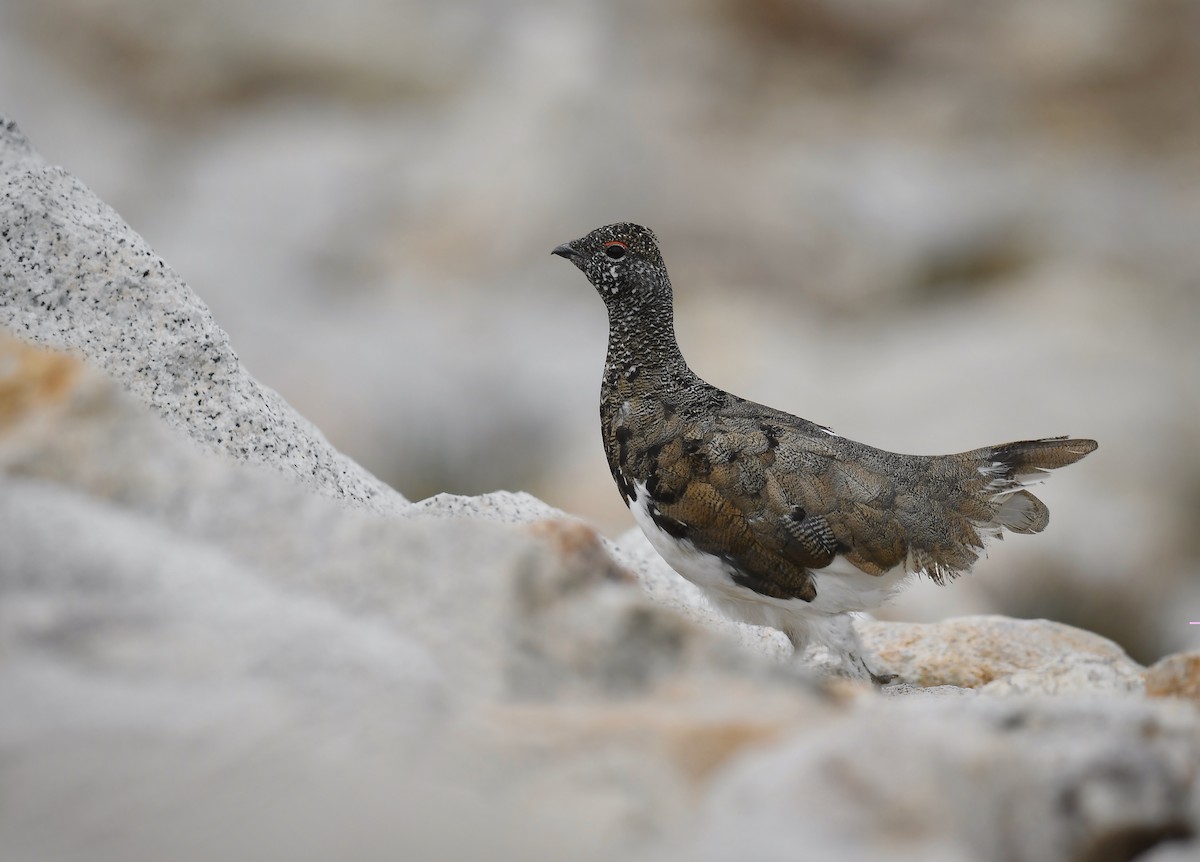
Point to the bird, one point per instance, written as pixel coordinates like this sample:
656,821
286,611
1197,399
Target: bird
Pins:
778,520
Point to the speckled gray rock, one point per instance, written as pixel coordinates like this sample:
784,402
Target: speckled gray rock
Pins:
75,277
504,506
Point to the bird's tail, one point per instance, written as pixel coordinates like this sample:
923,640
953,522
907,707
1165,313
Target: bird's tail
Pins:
1010,467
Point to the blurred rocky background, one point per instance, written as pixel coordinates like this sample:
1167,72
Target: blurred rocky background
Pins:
931,224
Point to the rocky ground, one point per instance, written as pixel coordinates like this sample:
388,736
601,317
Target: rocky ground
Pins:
221,638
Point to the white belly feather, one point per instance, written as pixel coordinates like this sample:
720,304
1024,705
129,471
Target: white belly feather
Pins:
840,586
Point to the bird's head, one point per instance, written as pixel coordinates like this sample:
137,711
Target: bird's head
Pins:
622,262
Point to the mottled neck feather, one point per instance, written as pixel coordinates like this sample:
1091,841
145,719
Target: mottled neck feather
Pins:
641,343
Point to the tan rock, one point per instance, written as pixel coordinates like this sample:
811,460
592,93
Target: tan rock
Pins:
1175,676
1000,655
32,378
695,725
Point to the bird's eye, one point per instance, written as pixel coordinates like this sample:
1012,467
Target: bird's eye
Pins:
616,250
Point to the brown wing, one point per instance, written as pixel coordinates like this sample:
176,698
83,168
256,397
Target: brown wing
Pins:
778,496
721,492
778,502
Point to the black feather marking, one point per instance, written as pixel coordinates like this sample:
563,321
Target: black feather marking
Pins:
812,532
667,524
627,489
623,434
773,589
656,492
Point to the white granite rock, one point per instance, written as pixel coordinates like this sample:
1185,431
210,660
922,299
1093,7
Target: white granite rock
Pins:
502,506
74,276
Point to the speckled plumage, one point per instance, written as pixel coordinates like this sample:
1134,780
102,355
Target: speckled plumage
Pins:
760,507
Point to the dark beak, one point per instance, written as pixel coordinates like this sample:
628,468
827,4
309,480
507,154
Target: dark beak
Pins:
565,250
